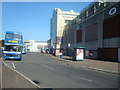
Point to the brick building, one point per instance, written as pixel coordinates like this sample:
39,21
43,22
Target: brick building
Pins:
96,29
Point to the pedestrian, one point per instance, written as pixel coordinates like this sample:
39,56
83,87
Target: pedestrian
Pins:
61,54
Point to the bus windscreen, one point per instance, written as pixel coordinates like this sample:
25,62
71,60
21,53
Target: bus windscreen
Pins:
13,48
13,36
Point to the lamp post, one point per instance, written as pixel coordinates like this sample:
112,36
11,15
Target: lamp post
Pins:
68,48
69,45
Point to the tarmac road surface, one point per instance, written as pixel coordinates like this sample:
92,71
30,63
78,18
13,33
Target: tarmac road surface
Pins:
48,72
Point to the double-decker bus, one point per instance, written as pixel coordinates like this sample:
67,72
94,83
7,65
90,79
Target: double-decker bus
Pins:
13,45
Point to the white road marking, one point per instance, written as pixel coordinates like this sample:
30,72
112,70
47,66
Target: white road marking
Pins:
21,75
87,79
13,65
65,72
9,64
46,66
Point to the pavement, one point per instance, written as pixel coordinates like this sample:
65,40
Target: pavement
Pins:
14,79
99,65
0,67
0,71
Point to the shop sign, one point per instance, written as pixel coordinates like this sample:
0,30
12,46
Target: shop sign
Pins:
112,11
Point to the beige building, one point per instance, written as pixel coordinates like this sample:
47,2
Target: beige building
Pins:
58,21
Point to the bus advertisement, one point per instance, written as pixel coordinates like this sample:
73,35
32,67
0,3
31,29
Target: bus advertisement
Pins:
13,45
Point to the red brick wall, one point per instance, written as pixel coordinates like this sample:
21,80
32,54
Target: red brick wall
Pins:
79,36
91,32
110,54
111,27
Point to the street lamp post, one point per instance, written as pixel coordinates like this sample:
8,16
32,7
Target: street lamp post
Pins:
68,48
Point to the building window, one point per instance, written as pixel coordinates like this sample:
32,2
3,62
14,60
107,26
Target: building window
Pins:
67,21
99,4
86,13
95,9
77,18
81,17
91,11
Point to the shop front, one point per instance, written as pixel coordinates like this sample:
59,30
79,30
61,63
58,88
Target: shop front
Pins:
91,53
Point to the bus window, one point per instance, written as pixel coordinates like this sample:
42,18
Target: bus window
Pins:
17,36
9,35
13,36
13,48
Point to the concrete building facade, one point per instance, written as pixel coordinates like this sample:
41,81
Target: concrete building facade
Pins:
97,29
58,21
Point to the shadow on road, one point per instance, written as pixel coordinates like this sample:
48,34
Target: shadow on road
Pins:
11,60
36,82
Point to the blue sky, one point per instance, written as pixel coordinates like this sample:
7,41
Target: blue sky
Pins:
32,19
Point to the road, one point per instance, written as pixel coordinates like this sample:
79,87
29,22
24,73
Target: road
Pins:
49,72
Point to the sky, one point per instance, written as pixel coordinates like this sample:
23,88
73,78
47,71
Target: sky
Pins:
32,19
0,20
